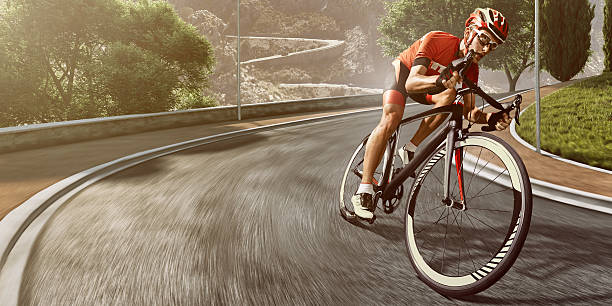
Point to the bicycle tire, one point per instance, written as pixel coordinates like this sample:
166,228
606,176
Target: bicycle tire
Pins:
489,250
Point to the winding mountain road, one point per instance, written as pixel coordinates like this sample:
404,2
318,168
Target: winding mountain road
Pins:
253,220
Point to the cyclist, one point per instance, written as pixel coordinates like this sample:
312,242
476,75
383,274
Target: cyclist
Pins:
421,74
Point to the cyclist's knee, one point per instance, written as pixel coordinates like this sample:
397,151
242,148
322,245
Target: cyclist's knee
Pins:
393,96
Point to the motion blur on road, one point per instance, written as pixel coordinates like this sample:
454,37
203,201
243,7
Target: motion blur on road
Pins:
254,220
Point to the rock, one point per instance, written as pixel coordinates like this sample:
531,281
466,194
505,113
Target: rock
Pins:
209,25
223,80
355,56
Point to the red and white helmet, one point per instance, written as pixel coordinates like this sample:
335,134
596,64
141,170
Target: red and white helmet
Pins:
490,19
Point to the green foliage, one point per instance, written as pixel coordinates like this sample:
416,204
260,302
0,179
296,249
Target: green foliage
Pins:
607,34
307,25
186,99
137,80
408,20
222,9
73,59
516,54
156,27
576,122
566,39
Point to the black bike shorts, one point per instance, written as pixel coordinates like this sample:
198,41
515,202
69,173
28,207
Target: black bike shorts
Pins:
400,85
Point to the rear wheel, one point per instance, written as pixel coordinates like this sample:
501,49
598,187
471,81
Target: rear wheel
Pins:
464,246
354,172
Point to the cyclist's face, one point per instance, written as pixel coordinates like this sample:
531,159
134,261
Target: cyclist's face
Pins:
483,43
485,40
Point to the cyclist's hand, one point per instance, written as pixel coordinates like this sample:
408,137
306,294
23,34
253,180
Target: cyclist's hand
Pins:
452,82
500,120
448,79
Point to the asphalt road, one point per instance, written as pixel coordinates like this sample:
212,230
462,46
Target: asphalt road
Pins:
254,220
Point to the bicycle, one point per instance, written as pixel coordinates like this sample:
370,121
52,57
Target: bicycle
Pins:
482,185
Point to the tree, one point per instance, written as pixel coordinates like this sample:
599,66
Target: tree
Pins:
155,27
408,20
52,39
517,53
607,33
68,55
566,38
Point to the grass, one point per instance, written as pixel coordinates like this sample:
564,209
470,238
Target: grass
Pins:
575,122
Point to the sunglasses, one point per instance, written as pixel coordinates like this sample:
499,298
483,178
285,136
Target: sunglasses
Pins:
486,40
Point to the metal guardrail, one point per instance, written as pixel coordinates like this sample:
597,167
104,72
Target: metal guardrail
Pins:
48,134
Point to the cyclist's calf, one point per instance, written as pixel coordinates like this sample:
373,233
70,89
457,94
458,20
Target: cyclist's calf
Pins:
392,116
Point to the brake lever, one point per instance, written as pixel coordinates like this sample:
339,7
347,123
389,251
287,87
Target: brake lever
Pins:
517,101
516,104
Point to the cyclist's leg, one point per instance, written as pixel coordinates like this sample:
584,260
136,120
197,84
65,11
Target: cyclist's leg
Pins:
429,124
363,203
394,101
391,117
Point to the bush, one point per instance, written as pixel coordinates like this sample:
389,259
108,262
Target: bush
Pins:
186,99
137,80
576,122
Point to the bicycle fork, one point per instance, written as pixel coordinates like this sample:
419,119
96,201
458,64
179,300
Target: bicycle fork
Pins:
450,151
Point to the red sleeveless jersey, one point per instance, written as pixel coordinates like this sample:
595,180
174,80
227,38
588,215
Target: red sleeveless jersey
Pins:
441,49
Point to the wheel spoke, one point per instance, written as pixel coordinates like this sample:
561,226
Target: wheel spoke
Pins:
436,177
483,188
459,232
428,189
474,226
466,246
445,234
440,217
441,206
488,209
490,193
474,172
489,226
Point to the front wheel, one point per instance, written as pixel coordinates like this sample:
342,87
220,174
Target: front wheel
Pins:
463,245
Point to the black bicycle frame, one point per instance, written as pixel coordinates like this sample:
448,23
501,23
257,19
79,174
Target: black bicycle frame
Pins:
456,111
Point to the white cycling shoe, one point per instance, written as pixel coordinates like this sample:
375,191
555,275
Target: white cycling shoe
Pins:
361,202
405,155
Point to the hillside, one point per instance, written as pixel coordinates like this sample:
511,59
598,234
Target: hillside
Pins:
353,70
361,64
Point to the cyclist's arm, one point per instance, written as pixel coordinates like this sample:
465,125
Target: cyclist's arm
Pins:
418,82
472,113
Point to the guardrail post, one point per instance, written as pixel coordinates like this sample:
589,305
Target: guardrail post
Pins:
537,68
238,57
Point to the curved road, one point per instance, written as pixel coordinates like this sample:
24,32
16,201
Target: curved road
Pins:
253,220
